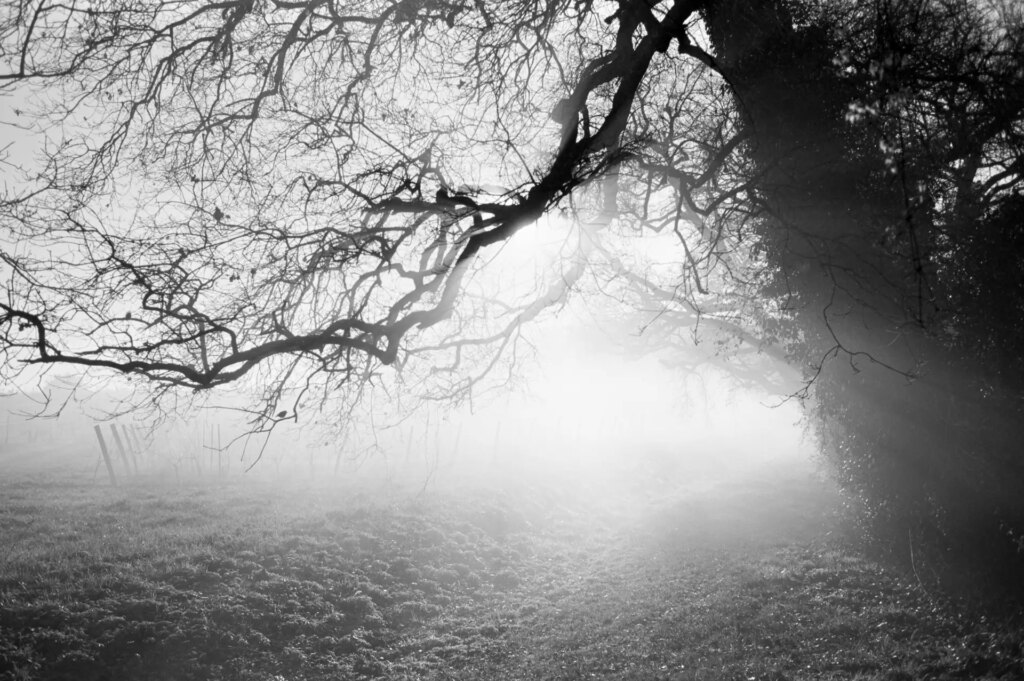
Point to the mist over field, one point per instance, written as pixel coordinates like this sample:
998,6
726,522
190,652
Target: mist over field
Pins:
698,544
661,340
582,406
610,517
544,533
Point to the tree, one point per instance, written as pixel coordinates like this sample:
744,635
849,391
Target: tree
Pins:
299,188
302,194
889,143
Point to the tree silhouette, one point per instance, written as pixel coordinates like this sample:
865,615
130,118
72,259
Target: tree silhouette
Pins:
888,139
304,188
306,192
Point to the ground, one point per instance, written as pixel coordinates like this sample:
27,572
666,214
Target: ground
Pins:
743,578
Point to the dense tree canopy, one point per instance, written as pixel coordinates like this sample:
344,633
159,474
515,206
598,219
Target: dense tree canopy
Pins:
305,193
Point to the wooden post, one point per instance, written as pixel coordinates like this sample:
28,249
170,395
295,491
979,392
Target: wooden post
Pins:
106,455
130,435
121,449
140,441
132,447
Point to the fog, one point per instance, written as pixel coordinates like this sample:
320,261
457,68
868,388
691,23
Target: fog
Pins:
584,408
589,397
587,411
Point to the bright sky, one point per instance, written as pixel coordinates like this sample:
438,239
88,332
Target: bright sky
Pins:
583,401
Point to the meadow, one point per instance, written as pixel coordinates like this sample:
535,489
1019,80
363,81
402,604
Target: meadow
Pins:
739,578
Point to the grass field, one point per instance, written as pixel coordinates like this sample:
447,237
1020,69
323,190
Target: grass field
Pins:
745,578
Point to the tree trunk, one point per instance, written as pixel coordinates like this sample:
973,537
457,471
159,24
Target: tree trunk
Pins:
912,426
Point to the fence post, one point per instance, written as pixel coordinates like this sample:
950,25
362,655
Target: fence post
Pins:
121,449
132,439
140,442
132,448
106,455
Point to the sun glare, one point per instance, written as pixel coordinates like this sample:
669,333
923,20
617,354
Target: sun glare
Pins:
534,258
